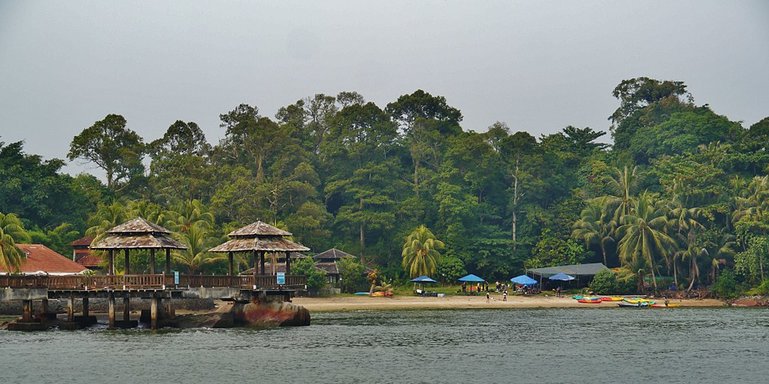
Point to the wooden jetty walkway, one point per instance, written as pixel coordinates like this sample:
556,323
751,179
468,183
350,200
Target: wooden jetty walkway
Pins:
158,288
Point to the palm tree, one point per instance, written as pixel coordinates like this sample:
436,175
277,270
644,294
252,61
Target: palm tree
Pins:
188,214
11,232
198,242
420,252
643,235
752,213
595,226
623,183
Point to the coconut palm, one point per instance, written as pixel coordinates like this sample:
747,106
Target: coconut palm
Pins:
595,226
420,252
11,232
198,241
643,235
189,213
623,182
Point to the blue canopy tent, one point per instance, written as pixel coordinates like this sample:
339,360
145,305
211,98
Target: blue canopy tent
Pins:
423,279
471,279
523,280
561,277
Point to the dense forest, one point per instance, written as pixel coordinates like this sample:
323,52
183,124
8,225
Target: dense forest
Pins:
680,193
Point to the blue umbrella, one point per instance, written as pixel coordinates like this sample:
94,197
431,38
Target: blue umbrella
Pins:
471,279
423,279
523,280
561,277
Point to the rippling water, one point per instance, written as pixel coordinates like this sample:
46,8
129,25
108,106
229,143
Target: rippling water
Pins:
437,346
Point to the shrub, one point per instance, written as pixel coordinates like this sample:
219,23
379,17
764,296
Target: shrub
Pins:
604,282
726,286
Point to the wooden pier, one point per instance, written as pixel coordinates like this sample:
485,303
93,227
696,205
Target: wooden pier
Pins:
158,288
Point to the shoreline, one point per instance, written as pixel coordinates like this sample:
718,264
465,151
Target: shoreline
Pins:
357,303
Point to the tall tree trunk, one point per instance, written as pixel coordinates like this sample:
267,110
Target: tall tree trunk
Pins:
362,231
416,177
603,253
695,271
515,205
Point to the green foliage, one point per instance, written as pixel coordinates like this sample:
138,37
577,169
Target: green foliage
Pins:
112,147
421,252
316,278
352,274
726,286
551,251
604,282
751,262
11,232
450,269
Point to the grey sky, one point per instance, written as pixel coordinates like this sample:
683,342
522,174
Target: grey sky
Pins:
536,65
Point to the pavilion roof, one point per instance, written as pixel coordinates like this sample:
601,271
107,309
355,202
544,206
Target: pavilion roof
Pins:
333,254
269,244
260,229
137,234
138,225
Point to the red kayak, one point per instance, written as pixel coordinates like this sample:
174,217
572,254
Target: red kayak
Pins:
595,300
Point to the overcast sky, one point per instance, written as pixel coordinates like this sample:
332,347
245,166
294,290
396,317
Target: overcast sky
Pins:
536,65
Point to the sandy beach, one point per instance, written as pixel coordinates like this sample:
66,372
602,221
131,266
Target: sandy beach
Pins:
356,303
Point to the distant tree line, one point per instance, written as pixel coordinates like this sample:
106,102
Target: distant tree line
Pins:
682,192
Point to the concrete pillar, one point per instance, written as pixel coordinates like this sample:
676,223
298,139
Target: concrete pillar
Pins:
155,301
168,261
127,262
126,308
152,261
71,308
111,310
230,259
26,310
85,306
170,308
111,266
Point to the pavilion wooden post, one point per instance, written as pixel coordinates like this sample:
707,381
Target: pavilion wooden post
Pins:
288,263
111,310
261,261
71,308
154,311
126,308
45,307
254,257
26,310
168,261
85,307
127,263
111,266
152,261
230,260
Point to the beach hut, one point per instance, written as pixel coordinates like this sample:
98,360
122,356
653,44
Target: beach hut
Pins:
328,262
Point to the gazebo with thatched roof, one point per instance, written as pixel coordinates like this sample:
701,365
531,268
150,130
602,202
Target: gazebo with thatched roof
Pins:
259,238
136,234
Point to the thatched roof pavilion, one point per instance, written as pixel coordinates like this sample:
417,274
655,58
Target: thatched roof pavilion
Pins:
259,238
137,234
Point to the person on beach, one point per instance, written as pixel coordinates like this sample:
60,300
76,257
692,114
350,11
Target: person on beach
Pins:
504,296
558,291
488,297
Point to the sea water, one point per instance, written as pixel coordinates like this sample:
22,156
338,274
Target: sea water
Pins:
676,345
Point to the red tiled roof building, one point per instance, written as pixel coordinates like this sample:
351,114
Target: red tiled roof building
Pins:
43,260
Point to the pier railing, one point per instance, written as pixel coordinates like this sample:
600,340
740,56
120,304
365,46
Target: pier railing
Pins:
162,281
